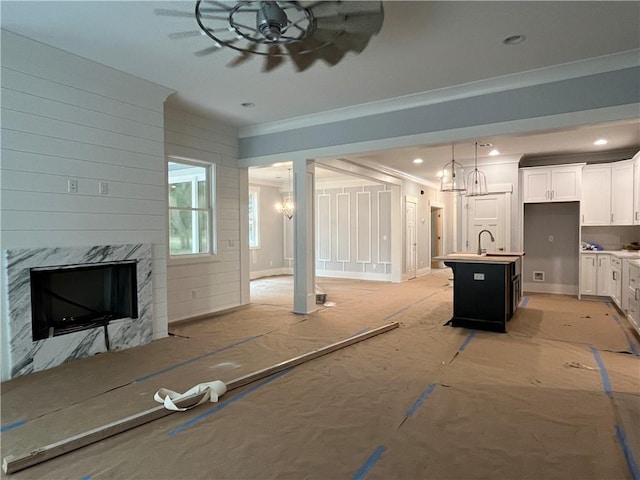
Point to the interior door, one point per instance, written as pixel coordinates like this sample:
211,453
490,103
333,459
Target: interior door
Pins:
411,238
487,212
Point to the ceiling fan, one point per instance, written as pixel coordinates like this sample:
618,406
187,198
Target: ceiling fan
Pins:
301,31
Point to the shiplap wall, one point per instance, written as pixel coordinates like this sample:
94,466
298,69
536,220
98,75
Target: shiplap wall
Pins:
207,285
68,118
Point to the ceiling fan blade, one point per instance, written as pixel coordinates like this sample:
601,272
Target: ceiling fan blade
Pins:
178,35
243,56
369,24
332,9
172,13
352,42
207,51
274,58
330,54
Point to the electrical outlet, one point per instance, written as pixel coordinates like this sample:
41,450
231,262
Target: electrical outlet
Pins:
103,188
72,186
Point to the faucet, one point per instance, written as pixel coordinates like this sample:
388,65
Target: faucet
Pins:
479,234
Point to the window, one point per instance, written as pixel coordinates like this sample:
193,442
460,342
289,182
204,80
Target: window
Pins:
190,208
254,217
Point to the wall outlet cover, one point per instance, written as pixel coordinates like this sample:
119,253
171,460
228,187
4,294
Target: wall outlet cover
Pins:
538,276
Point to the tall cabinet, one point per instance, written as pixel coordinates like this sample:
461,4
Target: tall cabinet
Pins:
608,194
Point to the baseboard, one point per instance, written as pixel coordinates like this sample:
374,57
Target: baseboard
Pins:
423,271
377,277
271,272
555,288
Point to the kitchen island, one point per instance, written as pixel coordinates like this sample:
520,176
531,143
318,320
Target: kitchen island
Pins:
486,288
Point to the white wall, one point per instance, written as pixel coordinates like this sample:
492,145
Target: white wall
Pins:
205,286
268,259
65,117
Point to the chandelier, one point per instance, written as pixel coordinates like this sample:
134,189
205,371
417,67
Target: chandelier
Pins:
477,182
452,178
287,207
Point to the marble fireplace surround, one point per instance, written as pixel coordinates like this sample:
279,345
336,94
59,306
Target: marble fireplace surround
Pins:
22,354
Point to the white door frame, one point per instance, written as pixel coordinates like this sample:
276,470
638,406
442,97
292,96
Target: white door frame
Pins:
507,223
433,205
411,240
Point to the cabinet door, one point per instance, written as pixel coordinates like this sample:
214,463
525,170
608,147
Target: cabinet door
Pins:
636,190
595,201
602,275
588,270
536,184
622,193
616,282
566,184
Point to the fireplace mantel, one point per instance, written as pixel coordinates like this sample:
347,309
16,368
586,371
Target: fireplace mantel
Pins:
24,355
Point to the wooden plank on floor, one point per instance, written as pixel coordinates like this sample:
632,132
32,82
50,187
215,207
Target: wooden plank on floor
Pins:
12,464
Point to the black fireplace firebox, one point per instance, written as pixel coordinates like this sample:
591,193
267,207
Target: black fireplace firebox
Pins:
77,297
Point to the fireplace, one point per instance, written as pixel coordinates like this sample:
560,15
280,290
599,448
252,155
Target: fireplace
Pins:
79,297
83,301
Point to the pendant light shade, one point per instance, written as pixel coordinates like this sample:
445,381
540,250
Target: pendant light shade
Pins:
477,182
452,179
287,207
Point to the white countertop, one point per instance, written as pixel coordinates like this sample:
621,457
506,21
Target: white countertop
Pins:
489,257
618,253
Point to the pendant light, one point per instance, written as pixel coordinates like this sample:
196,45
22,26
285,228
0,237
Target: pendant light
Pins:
452,179
287,207
477,181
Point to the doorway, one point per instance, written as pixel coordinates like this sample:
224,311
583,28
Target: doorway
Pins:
411,259
437,234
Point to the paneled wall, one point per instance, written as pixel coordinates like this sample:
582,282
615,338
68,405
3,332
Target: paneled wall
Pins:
69,122
268,259
353,232
207,285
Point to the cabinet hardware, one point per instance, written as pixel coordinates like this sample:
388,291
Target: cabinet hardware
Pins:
635,294
615,277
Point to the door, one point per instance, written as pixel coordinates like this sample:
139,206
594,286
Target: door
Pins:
411,238
487,212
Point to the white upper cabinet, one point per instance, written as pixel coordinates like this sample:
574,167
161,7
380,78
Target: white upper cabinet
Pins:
552,184
622,193
608,194
596,195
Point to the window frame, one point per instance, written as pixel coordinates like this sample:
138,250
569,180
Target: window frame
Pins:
254,192
210,209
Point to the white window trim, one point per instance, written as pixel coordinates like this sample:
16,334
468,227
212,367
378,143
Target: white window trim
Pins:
253,190
212,193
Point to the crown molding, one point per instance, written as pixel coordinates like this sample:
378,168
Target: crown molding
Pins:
606,63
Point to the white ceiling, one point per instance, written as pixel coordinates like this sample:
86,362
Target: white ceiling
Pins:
422,46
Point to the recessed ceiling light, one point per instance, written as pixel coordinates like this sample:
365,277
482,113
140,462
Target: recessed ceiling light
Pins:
417,160
494,152
600,141
514,39
248,104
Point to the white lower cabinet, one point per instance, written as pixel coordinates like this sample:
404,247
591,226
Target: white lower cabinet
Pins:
588,274
633,292
595,274
616,281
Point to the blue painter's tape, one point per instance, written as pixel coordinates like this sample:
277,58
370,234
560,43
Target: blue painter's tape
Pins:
466,342
371,461
87,477
606,384
633,345
628,454
195,359
523,302
220,406
418,403
11,426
